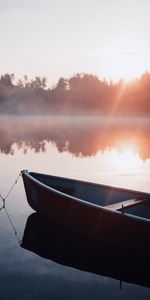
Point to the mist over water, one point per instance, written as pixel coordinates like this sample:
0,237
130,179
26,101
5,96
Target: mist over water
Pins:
82,94
80,136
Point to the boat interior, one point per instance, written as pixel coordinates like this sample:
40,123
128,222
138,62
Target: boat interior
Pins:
123,200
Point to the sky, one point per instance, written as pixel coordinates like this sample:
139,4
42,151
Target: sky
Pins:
59,38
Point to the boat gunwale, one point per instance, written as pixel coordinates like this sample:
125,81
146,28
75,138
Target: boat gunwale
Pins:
84,202
114,188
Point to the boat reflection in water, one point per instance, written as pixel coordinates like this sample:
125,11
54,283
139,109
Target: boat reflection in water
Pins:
64,246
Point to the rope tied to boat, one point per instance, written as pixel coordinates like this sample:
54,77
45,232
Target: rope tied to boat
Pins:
13,227
8,193
3,207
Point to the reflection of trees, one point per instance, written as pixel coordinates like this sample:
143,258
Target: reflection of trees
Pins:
80,94
80,138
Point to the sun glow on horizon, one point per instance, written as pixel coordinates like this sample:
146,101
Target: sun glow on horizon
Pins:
125,57
124,67
112,42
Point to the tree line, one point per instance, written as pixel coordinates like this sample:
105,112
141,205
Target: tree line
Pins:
82,94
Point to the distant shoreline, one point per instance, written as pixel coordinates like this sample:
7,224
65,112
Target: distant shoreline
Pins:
80,95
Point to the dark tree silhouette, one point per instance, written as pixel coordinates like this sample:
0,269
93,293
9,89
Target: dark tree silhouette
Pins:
81,94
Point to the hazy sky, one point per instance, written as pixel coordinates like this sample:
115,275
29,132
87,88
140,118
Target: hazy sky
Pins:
56,38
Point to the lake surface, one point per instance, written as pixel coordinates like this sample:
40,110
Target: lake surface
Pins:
105,150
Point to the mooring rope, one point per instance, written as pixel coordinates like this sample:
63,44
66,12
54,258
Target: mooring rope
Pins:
13,227
3,207
8,193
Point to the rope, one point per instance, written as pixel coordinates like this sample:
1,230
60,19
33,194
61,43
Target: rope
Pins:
3,207
12,186
13,227
7,195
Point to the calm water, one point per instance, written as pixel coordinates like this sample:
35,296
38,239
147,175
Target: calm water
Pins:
102,150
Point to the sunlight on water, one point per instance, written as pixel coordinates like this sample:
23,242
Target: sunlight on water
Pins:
124,169
114,152
126,161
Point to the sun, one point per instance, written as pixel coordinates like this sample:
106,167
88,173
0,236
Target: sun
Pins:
126,160
124,66
125,59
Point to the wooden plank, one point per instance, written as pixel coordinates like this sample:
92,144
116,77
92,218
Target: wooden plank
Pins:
125,204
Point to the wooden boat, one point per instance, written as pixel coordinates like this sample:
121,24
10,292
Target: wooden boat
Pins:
113,215
54,242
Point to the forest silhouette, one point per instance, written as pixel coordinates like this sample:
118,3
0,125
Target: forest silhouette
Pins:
82,94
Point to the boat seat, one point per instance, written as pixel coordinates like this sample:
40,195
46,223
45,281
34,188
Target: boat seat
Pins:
124,204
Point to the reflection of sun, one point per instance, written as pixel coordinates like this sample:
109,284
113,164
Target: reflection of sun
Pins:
127,160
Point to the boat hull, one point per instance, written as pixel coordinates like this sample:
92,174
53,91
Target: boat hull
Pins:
110,227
